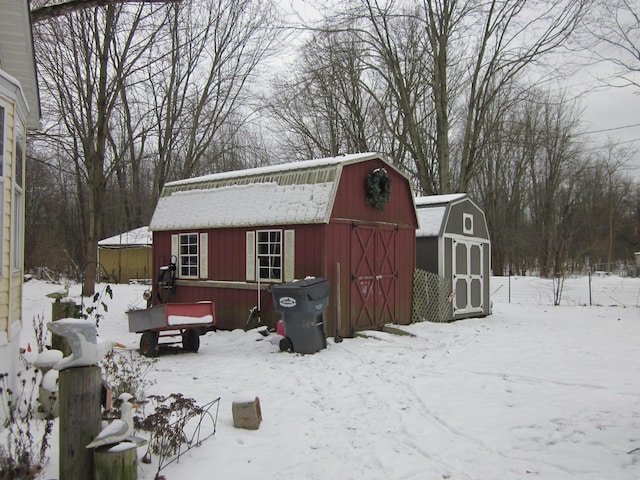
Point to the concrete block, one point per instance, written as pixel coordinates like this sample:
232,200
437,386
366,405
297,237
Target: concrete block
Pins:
247,413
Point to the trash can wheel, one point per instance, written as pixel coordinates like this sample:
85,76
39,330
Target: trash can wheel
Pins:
286,345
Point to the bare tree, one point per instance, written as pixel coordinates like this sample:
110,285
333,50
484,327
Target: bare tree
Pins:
605,198
502,185
42,11
85,59
482,46
615,25
399,57
554,166
199,88
324,105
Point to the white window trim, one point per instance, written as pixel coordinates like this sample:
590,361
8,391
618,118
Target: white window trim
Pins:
465,230
270,255
17,232
287,256
4,107
176,247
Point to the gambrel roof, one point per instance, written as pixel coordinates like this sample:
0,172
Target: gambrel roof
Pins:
285,194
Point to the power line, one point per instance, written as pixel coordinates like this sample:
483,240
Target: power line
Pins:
613,129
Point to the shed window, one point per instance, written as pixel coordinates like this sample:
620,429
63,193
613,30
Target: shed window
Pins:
191,252
188,257
270,254
467,223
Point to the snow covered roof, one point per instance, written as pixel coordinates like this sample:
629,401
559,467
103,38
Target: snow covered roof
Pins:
135,237
431,211
430,221
439,199
285,194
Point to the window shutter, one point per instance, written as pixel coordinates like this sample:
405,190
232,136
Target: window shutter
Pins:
289,254
251,256
175,252
204,255
175,248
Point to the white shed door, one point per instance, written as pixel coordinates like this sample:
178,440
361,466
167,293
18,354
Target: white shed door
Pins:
468,281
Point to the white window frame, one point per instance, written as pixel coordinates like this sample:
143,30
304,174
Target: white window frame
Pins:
467,219
18,197
198,266
188,255
3,160
272,259
3,143
269,263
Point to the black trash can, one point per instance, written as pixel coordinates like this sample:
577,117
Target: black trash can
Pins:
302,305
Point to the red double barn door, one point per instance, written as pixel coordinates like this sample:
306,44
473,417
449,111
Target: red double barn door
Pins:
374,276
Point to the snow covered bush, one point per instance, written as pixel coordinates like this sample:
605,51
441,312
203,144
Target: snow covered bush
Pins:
126,372
25,438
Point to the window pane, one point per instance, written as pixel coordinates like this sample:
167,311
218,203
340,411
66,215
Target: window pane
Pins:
19,155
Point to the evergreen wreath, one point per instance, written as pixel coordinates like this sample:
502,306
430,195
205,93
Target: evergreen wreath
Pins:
378,188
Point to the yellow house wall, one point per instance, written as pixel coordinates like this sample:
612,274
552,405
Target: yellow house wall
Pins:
5,278
11,278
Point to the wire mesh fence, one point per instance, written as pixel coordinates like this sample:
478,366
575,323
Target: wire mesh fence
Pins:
599,289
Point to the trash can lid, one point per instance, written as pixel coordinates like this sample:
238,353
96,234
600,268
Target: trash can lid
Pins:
301,284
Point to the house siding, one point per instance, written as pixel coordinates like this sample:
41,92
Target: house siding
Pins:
7,205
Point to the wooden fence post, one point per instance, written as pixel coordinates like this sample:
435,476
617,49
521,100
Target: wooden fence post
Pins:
60,310
121,464
79,403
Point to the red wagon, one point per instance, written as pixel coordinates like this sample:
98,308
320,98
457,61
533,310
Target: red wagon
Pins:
169,320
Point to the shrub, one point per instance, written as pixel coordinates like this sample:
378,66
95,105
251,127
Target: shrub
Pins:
23,455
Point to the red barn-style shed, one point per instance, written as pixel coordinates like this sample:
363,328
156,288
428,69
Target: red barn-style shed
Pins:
350,219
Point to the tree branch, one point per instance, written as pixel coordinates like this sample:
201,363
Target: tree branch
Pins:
48,12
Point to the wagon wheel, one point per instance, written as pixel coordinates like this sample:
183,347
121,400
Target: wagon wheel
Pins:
149,344
191,340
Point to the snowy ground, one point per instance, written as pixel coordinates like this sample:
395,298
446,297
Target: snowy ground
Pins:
531,391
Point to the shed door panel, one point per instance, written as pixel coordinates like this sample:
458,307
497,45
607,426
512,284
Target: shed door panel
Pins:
386,275
468,278
374,276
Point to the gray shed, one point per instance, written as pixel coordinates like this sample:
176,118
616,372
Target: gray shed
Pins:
453,243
